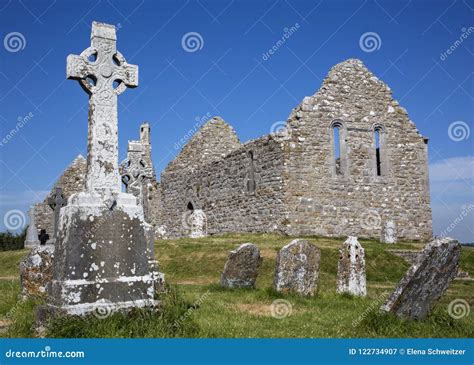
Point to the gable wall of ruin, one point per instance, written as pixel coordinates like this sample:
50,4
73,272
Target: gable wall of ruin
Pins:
357,201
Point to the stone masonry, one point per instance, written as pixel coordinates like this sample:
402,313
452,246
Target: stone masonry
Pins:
296,182
71,181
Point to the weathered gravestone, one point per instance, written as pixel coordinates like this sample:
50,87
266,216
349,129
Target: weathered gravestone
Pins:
351,268
32,233
297,268
104,259
426,280
56,202
241,268
36,271
194,221
389,233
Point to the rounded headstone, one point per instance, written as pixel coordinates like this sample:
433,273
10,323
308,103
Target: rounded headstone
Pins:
389,233
241,268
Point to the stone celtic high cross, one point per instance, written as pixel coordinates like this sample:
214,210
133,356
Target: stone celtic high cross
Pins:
56,202
103,73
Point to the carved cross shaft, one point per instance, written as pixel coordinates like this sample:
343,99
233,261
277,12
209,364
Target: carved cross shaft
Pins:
103,73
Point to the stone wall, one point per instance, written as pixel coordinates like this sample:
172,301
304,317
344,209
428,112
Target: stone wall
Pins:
357,201
231,199
215,140
71,181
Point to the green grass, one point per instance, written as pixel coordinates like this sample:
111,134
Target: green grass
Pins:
204,309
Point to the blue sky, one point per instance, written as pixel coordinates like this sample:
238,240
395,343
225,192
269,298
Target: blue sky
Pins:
228,75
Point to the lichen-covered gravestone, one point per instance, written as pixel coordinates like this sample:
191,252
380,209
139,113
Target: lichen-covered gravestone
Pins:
426,280
241,268
104,259
351,268
389,233
36,271
297,268
32,233
195,223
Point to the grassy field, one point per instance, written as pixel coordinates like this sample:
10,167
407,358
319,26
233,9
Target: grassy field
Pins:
196,306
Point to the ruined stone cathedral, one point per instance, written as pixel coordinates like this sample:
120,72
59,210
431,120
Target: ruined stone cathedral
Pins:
348,162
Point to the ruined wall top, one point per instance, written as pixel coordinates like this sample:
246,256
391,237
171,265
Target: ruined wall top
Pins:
350,82
213,141
73,178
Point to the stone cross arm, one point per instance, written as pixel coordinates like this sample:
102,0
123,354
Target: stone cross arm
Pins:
101,66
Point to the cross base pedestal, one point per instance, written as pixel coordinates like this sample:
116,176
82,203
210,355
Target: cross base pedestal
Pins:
104,257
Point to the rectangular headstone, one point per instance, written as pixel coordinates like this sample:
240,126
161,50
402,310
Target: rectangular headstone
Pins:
351,268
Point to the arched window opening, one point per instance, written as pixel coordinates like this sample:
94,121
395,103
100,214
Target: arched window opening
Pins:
190,206
378,151
336,137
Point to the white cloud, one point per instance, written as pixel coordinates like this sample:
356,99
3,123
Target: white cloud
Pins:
453,169
452,189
